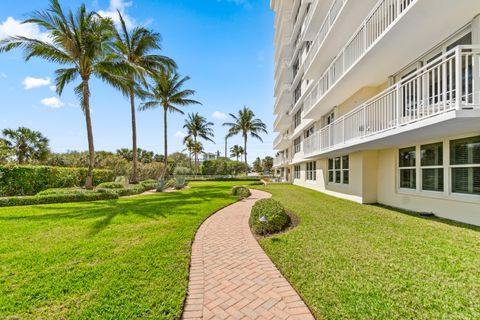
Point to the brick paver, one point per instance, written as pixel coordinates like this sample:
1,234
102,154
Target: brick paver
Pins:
232,278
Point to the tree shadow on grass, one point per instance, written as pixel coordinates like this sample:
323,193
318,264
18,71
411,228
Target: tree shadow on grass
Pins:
156,206
431,218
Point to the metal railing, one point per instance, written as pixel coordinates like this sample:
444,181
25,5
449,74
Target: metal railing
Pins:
385,13
450,82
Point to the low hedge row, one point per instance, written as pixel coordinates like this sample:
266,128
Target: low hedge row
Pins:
200,178
29,180
56,198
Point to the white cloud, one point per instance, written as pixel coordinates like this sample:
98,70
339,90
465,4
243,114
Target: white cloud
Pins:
3,75
31,82
112,13
219,115
12,27
53,88
245,3
180,134
52,102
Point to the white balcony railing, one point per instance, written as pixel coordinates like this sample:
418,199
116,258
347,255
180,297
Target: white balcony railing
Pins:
325,28
385,13
281,160
430,91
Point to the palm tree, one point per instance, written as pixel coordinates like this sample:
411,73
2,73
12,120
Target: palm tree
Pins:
244,124
198,127
197,148
80,42
26,144
236,151
189,146
167,93
134,49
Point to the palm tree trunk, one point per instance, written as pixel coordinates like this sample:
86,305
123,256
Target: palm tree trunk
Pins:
134,137
245,147
195,155
165,141
91,148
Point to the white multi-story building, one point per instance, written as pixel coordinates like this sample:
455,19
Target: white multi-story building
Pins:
379,101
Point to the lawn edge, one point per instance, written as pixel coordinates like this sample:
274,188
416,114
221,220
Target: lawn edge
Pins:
191,243
276,266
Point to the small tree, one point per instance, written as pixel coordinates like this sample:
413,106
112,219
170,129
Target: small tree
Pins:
267,164
257,165
26,144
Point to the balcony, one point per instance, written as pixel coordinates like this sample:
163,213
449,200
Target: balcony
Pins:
373,27
439,99
281,161
282,141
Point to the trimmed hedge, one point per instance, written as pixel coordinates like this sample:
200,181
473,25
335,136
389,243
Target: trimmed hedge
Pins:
241,191
111,185
56,198
62,191
29,180
268,216
200,178
131,190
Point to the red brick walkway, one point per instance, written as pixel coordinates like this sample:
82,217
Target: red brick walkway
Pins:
232,278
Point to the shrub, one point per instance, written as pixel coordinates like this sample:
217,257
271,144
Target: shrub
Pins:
180,182
111,185
29,180
63,191
123,180
149,184
181,171
241,191
161,185
170,183
268,216
55,198
125,191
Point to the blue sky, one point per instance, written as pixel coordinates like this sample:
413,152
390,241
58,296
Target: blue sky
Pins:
225,46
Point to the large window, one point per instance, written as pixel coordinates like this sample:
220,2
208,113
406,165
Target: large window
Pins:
296,171
465,165
297,145
431,158
407,168
312,171
339,170
297,118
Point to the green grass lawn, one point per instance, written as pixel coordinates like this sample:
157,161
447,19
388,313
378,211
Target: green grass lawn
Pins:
120,259
351,261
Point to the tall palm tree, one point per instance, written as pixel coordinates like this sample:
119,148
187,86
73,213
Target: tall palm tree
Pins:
236,151
134,48
167,92
80,41
245,123
189,146
198,127
197,148
26,144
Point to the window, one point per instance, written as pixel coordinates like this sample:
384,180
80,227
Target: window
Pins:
407,168
312,171
339,170
431,161
465,165
298,92
297,118
297,145
309,132
296,172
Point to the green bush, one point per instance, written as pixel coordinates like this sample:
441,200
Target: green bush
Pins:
56,198
29,180
111,185
170,183
63,191
149,184
182,171
241,191
125,191
207,178
180,182
123,180
268,216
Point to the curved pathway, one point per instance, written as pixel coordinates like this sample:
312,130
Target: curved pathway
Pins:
232,278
